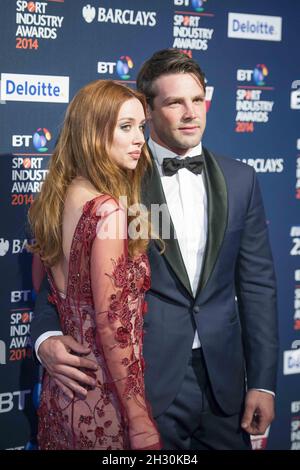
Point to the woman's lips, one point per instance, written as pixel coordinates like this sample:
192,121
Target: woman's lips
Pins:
135,155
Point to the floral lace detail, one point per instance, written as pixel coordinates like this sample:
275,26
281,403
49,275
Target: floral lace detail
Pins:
114,334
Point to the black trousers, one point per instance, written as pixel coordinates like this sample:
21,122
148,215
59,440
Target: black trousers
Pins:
194,421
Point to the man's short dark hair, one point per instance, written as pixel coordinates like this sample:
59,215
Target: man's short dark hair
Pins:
165,62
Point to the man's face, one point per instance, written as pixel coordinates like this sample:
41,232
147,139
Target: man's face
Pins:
178,118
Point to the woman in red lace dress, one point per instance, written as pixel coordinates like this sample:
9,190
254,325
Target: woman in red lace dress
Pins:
98,275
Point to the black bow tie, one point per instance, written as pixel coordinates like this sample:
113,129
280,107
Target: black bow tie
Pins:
172,165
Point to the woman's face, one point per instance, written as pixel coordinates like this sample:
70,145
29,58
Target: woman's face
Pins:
128,137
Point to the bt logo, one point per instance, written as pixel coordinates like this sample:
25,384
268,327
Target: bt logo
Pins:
122,67
295,407
197,5
7,401
257,75
124,64
39,139
20,296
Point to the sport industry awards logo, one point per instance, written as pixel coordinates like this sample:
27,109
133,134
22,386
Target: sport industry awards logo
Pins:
35,22
188,31
251,106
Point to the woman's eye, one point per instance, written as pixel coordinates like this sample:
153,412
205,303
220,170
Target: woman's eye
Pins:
126,127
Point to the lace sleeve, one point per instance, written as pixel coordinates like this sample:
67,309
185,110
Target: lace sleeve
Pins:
114,294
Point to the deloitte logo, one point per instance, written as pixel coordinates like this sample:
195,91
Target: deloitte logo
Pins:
40,139
124,64
37,88
259,73
256,27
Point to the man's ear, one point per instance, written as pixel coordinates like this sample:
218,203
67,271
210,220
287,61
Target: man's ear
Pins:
149,113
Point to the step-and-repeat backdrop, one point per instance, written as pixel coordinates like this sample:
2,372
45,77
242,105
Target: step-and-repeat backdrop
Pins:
249,51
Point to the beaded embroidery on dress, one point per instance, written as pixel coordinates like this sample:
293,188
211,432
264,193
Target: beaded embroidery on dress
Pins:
103,309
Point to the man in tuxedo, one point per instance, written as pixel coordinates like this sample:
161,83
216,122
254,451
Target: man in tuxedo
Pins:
211,340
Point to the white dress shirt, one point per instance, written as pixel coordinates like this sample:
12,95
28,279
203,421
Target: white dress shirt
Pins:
187,203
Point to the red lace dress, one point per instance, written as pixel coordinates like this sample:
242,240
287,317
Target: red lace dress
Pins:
103,309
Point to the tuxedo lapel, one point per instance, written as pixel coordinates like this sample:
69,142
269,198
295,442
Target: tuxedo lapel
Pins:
217,219
217,215
153,193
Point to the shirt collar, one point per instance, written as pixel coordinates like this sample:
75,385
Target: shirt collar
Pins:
159,152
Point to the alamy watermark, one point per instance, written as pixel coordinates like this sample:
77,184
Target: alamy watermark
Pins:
114,215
